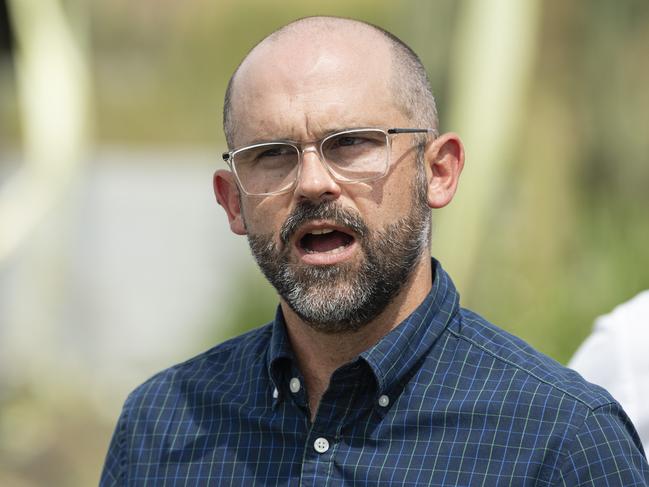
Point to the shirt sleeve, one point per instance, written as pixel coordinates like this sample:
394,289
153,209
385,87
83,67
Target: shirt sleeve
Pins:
114,471
606,451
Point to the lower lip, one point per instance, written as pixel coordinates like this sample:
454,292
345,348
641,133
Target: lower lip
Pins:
327,258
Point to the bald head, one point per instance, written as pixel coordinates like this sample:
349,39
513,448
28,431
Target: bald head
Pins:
301,52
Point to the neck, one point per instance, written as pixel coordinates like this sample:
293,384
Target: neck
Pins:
320,354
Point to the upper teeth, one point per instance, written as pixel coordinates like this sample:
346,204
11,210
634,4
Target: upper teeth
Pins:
321,231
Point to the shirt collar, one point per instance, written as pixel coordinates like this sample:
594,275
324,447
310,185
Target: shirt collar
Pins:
395,354
279,350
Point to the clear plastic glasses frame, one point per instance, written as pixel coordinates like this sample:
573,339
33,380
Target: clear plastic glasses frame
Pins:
297,150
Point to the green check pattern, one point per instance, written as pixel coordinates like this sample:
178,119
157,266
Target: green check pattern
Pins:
445,399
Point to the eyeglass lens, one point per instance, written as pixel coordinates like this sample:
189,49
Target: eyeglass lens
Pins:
351,157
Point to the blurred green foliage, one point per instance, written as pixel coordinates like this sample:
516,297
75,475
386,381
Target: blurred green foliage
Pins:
570,232
162,69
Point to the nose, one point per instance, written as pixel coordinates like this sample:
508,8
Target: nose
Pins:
314,181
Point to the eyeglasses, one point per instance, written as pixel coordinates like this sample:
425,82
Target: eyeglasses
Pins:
350,156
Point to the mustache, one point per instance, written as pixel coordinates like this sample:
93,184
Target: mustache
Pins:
306,211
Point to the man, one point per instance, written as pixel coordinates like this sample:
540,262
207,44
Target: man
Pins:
370,373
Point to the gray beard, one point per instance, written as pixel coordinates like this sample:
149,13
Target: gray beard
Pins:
345,297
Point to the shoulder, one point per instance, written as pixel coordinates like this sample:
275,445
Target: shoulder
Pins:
516,357
604,448
534,395
165,406
621,336
225,364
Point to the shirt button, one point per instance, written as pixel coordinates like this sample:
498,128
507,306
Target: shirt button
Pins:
294,385
321,445
275,393
384,401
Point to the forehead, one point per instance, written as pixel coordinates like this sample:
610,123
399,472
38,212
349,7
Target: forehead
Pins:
302,86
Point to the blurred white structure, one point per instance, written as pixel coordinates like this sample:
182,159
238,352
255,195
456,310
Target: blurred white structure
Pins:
140,268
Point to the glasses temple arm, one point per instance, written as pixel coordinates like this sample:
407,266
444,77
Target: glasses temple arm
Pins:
409,131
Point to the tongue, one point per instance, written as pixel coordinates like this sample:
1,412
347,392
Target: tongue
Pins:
325,242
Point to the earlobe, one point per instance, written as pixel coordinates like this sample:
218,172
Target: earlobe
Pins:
445,159
227,195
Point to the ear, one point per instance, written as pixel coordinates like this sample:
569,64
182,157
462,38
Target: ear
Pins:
227,195
444,158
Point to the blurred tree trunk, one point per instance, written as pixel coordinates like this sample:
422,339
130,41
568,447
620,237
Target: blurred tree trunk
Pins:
53,86
491,64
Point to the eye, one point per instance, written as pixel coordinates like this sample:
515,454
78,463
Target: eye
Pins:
275,151
356,140
348,140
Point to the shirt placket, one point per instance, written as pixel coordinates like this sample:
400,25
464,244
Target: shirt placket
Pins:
347,397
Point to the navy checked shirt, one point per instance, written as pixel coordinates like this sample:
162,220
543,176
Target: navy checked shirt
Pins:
445,399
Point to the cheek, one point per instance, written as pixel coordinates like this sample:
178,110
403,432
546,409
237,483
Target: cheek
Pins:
263,217
401,191
397,200
388,203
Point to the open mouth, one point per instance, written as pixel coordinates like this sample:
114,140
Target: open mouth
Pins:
325,240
